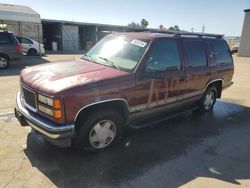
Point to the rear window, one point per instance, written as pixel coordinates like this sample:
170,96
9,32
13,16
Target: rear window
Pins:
5,38
221,52
195,53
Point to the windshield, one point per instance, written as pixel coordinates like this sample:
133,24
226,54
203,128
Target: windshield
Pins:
119,52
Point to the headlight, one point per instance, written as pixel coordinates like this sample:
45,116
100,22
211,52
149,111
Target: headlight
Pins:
45,100
54,113
55,103
45,110
53,107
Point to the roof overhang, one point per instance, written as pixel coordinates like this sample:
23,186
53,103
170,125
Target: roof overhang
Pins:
18,13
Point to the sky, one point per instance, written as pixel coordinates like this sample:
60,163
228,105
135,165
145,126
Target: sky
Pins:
218,16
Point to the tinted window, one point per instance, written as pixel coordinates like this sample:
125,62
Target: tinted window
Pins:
164,55
4,38
221,51
195,53
26,41
19,39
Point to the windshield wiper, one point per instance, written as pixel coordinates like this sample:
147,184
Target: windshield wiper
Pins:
110,62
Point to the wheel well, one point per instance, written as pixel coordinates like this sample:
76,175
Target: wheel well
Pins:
5,55
117,105
218,85
32,49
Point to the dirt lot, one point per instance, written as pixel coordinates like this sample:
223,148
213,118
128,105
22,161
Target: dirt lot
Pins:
195,150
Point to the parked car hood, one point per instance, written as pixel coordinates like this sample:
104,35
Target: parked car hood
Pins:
58,76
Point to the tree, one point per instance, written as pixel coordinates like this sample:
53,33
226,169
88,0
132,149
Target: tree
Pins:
144,23
134,25
161,27
174,28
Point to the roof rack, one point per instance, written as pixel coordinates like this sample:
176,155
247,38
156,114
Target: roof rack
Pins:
198,34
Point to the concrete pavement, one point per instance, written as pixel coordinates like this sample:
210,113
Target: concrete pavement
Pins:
193,150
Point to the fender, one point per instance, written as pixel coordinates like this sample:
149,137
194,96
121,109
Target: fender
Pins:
100,102
212,82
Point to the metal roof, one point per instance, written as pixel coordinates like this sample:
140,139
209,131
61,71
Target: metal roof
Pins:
18,13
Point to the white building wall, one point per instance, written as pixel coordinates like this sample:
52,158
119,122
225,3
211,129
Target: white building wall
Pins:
26,29
244,49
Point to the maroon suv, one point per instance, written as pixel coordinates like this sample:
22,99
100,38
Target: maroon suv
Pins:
125,80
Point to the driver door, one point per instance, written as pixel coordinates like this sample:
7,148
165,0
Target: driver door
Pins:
163,82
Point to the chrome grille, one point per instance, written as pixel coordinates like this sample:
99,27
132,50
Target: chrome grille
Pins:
29,97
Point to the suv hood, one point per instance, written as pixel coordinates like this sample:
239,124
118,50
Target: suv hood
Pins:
58,76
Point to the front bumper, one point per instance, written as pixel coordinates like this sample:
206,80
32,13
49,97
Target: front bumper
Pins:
60,135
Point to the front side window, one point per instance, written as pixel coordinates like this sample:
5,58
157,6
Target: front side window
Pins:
164,56
118,51
221,51
195,53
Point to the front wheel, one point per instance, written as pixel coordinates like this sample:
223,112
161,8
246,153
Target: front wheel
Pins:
99,130
208,99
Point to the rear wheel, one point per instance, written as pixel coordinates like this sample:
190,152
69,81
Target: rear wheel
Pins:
32,52
208,99
99,130
4,62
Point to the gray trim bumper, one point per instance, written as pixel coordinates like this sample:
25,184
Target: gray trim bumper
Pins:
46,128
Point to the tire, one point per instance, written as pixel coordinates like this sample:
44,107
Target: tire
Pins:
4,62
99,130
32,52
208,99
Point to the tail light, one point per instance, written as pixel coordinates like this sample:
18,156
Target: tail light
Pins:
19,48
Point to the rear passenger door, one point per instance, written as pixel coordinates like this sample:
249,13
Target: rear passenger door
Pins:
197,68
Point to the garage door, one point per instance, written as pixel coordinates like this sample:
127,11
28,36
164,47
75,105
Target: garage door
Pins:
70,37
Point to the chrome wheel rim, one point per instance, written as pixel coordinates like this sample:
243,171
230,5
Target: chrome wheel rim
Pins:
102,134
209,100
3,62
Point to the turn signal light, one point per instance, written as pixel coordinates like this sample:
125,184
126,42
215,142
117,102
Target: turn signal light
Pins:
56,104
57,114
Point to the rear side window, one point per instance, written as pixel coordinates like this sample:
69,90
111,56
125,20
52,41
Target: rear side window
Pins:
195,53
4,38
164,56
221,52
26,41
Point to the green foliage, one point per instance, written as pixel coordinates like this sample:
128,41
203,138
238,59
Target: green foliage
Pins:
174,28
134,25
144,23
